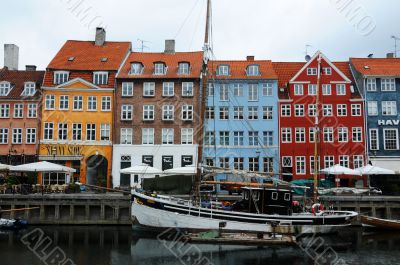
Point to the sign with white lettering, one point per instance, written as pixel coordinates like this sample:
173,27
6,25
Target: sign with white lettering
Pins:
388,122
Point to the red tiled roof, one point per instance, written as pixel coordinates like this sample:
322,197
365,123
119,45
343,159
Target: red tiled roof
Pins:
238,69
17,80
87,56
171,60
287,70
377,66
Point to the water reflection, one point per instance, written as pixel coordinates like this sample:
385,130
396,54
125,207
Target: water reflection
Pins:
119,245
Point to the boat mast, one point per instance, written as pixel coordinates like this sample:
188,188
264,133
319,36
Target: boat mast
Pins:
317,132
206,50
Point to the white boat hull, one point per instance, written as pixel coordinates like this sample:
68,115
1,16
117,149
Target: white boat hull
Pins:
159,219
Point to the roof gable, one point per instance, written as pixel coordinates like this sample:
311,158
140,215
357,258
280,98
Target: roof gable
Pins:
320,56
77,83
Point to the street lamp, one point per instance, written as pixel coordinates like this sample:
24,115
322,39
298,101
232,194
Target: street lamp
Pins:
54,152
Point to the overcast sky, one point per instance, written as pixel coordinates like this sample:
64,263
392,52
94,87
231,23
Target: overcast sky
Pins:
269,29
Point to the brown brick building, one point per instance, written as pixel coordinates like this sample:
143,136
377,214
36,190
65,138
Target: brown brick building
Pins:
157,111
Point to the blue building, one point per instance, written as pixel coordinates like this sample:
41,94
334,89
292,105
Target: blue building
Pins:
379,82
241,120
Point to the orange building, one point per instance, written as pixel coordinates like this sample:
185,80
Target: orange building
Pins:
77,103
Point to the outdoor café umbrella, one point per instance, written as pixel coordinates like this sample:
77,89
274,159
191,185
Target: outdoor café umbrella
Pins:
339,170
42,166
187,170
373,170
143,170
4,167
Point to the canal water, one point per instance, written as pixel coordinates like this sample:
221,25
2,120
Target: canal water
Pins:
101,245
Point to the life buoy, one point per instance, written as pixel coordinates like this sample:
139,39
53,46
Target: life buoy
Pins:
317,208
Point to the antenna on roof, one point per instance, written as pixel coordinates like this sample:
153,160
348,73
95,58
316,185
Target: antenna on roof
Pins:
307,57
395,45
142,46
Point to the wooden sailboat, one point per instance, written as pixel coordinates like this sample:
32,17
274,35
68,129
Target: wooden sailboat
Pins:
379,223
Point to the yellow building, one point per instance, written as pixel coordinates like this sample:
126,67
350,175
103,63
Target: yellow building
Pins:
77,110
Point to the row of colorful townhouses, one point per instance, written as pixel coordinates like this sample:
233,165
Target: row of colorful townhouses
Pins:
100,107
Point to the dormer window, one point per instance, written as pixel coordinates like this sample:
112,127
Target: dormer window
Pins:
4,88
183,68
223,70
253,70
311,71
100,78
29,89
160,69
136,68
60,77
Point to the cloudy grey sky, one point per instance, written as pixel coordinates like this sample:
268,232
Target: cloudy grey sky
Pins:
268,29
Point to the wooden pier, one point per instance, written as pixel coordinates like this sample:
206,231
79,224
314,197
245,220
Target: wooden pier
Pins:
69,209
114,208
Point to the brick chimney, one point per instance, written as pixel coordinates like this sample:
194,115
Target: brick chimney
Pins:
390,55
169,46
250,58
30,67
100,36
11,53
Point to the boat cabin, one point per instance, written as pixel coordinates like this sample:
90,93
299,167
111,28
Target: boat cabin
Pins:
267,200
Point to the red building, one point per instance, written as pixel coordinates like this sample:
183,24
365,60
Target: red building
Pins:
19,114
341,122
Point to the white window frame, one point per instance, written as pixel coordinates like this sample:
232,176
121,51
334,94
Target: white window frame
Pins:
341,110
300,135
167,136
326,89
168,89
148,136
76,131
16,136
372,107
340,89
63,102
5,88
168,110
298,89
127,89
384,138
149,89
371,84
105,132
288,135
148,112
187,112
4,135
187,89
91,131
187,136
253,70
100,78
311,71
60,77
253,92
389,105
18,112
126,112
91,103
223,69
355,132
312,89
106,102
299,110
48,131
267,89
29,89
77,104
32,110
356,110
301,166
286,110
371,138
388,84
126,136
50,102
